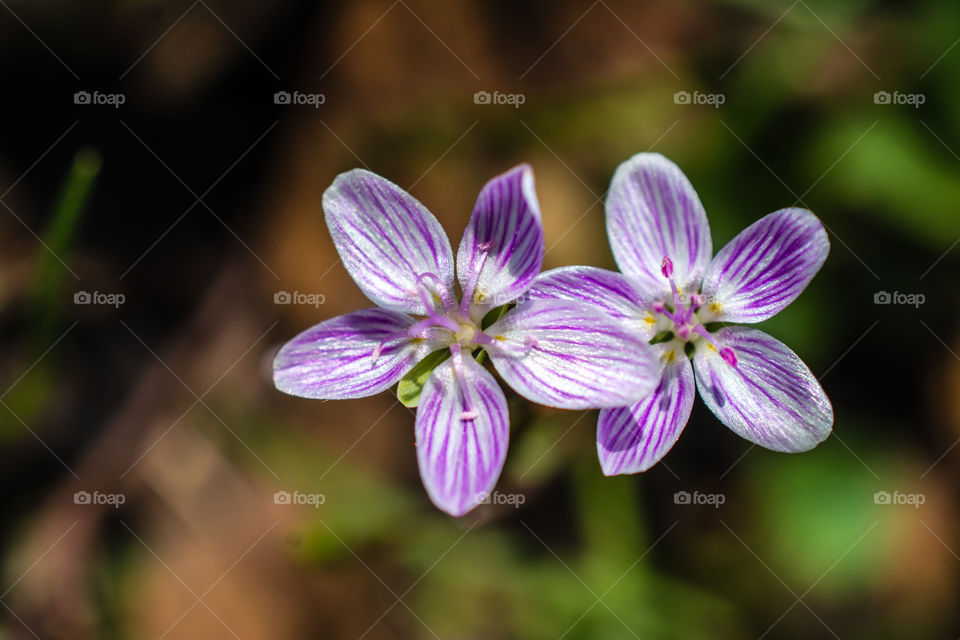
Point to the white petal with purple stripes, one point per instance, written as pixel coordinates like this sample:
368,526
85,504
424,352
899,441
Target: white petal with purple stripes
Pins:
766,266
462,432
654,212
386,239
607,291
335,359
502,247
633,439
562,353
768,396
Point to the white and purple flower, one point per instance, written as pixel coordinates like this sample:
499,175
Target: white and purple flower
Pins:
670,292
559,353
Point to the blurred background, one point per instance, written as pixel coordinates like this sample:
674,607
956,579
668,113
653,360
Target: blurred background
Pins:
161,172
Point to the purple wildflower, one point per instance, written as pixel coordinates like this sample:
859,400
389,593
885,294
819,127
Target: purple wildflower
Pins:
670,292
559,353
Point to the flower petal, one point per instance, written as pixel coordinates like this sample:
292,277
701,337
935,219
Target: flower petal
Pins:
334,360
766,266
562,353
633,439
604,290
653,212
502,247
462,434
768,396
386,239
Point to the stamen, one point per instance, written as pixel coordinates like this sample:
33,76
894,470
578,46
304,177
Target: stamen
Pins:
456,354
481,338
425,300
468,292
433,320
679,309
378,350
702,331
441,292
666,267
660,308
727,354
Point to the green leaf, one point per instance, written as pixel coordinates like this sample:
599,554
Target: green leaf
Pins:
411,385
58,237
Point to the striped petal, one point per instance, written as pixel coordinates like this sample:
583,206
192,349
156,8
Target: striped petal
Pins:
606,291
633,439
562,353
768,396
334,360
462,432
386,239
502,248
767,266
654,213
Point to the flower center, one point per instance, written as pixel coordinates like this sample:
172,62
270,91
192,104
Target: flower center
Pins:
466,333
453,320
686,319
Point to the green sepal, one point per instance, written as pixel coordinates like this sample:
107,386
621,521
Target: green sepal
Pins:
664,336
493,315
411,385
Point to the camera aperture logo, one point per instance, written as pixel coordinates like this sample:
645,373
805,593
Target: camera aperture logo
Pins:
697,498
96,297
298,98
513,499
297,297
698,97
912,99
97,498
312,499
897,498
485,97
99,99
911,299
